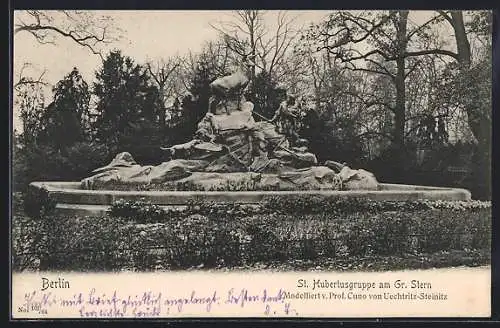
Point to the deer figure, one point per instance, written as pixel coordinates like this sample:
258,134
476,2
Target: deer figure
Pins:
231,85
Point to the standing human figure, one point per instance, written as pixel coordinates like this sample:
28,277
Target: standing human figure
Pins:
286,118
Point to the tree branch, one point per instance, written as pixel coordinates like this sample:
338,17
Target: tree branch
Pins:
369,71
29,81
421,27
445,15
80,28
429,52
412,69
375,133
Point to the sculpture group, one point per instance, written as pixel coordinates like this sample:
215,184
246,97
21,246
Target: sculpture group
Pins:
231,148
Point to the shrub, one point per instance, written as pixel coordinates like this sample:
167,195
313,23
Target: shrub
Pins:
206,236
37,203
140,211
83,157
264,243
44,163
316,204
36,163
201,242
145,211
29,242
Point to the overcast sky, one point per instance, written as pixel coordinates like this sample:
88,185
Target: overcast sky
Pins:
148,35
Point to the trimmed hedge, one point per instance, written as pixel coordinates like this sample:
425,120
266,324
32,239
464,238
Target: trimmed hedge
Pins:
367,235
144,211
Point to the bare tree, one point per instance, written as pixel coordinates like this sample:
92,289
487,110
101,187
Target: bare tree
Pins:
385,43
30,102
162,73
26,79
247,32
215,54
85,28
359,39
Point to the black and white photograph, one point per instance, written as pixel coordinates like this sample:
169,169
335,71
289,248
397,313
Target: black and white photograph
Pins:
251,142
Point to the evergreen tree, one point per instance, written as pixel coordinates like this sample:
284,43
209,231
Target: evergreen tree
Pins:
266,95
128,108
65,120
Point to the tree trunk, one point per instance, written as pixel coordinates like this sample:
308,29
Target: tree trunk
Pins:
252,74
161,114
400,108
463,46
253,51
479,124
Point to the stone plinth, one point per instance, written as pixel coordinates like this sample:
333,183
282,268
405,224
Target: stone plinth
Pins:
71,199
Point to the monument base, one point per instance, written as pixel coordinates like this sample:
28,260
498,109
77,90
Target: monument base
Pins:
71,199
